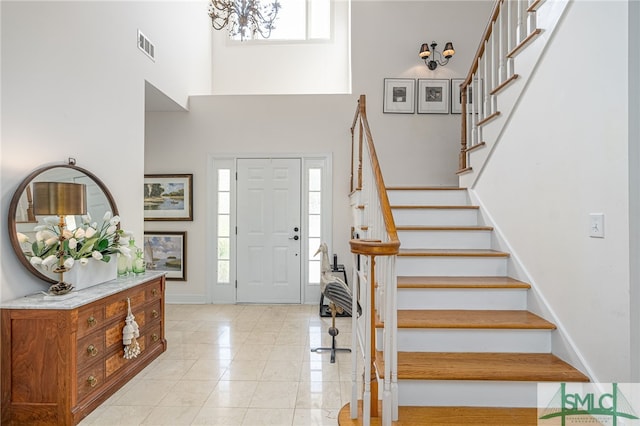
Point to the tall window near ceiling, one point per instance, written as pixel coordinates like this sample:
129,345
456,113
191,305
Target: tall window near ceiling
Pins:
308,52
300,20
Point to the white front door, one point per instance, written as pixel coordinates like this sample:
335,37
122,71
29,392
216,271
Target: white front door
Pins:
268,231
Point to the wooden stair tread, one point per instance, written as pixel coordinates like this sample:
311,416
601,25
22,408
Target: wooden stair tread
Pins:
530,367
443,228
460,282
425,188
434,207
476,319
459,416
452,252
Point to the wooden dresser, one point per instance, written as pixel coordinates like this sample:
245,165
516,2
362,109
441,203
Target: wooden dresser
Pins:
62,358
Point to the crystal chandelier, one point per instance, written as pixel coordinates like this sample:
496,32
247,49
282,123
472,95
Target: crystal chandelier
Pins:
244,18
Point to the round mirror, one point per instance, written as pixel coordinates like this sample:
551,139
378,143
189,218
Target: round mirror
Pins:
22,220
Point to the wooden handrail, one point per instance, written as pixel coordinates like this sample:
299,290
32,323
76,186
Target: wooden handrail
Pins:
492,67
485,37
386,244
371,248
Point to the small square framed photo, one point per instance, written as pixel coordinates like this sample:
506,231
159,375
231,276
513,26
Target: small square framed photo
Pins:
168,197
433,96
166,252
399,95
456,96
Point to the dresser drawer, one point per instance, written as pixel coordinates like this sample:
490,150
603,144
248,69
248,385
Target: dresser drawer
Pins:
90,380
90,349
113,333
153,312
154,290
154,336
116,361
90,319
118,307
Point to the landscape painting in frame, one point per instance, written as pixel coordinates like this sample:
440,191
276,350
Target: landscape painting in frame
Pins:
166,252
168,197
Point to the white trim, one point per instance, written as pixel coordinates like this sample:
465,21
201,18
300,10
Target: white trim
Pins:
562,342
185,299
223,294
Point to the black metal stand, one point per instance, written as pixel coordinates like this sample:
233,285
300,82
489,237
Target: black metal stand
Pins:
333,331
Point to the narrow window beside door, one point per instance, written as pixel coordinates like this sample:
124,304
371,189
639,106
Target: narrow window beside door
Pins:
224,222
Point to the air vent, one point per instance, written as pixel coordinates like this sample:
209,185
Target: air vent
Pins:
146,46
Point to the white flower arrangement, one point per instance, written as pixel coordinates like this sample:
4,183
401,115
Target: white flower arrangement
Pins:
88,241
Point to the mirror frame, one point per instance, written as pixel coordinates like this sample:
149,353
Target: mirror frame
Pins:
13,206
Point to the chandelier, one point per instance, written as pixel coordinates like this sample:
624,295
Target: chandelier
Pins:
244,18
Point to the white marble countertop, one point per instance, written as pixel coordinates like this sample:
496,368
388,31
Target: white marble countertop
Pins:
79,298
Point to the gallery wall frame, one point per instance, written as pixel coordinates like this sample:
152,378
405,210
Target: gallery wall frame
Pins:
433,96
166,251
168,197
456,98
399,96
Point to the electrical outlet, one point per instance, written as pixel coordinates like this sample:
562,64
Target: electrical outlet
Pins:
596,225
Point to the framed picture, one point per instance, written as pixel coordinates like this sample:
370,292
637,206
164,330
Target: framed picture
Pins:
456,96
166,252
168,197
433,96
399,95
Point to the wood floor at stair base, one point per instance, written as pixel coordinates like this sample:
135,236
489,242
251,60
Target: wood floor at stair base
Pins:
460,416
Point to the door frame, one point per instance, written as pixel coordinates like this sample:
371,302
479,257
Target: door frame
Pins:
225,292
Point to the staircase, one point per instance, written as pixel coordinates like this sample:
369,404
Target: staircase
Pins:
465,337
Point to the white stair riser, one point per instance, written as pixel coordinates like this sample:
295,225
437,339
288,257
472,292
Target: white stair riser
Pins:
439,197
436,217
444,298
466,393
449,239
451,266
471,340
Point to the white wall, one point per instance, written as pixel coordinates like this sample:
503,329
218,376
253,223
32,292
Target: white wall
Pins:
264,67
214,128
564,155
73,84
634,186
415,149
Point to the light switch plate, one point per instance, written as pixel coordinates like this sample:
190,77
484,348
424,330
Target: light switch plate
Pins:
596,225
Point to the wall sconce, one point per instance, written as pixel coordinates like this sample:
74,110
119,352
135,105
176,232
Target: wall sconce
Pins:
432,58
59,199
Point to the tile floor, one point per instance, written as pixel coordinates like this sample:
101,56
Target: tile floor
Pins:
238,365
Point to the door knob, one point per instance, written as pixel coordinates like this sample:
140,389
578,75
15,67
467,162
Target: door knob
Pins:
295,237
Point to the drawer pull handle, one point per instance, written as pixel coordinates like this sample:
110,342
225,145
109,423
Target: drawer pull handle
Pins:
154,291
92,350
155,314
92,381
155,337
91,321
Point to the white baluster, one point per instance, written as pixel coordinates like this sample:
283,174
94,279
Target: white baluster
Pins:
355,279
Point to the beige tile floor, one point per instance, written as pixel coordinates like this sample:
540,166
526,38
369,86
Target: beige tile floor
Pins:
238,365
